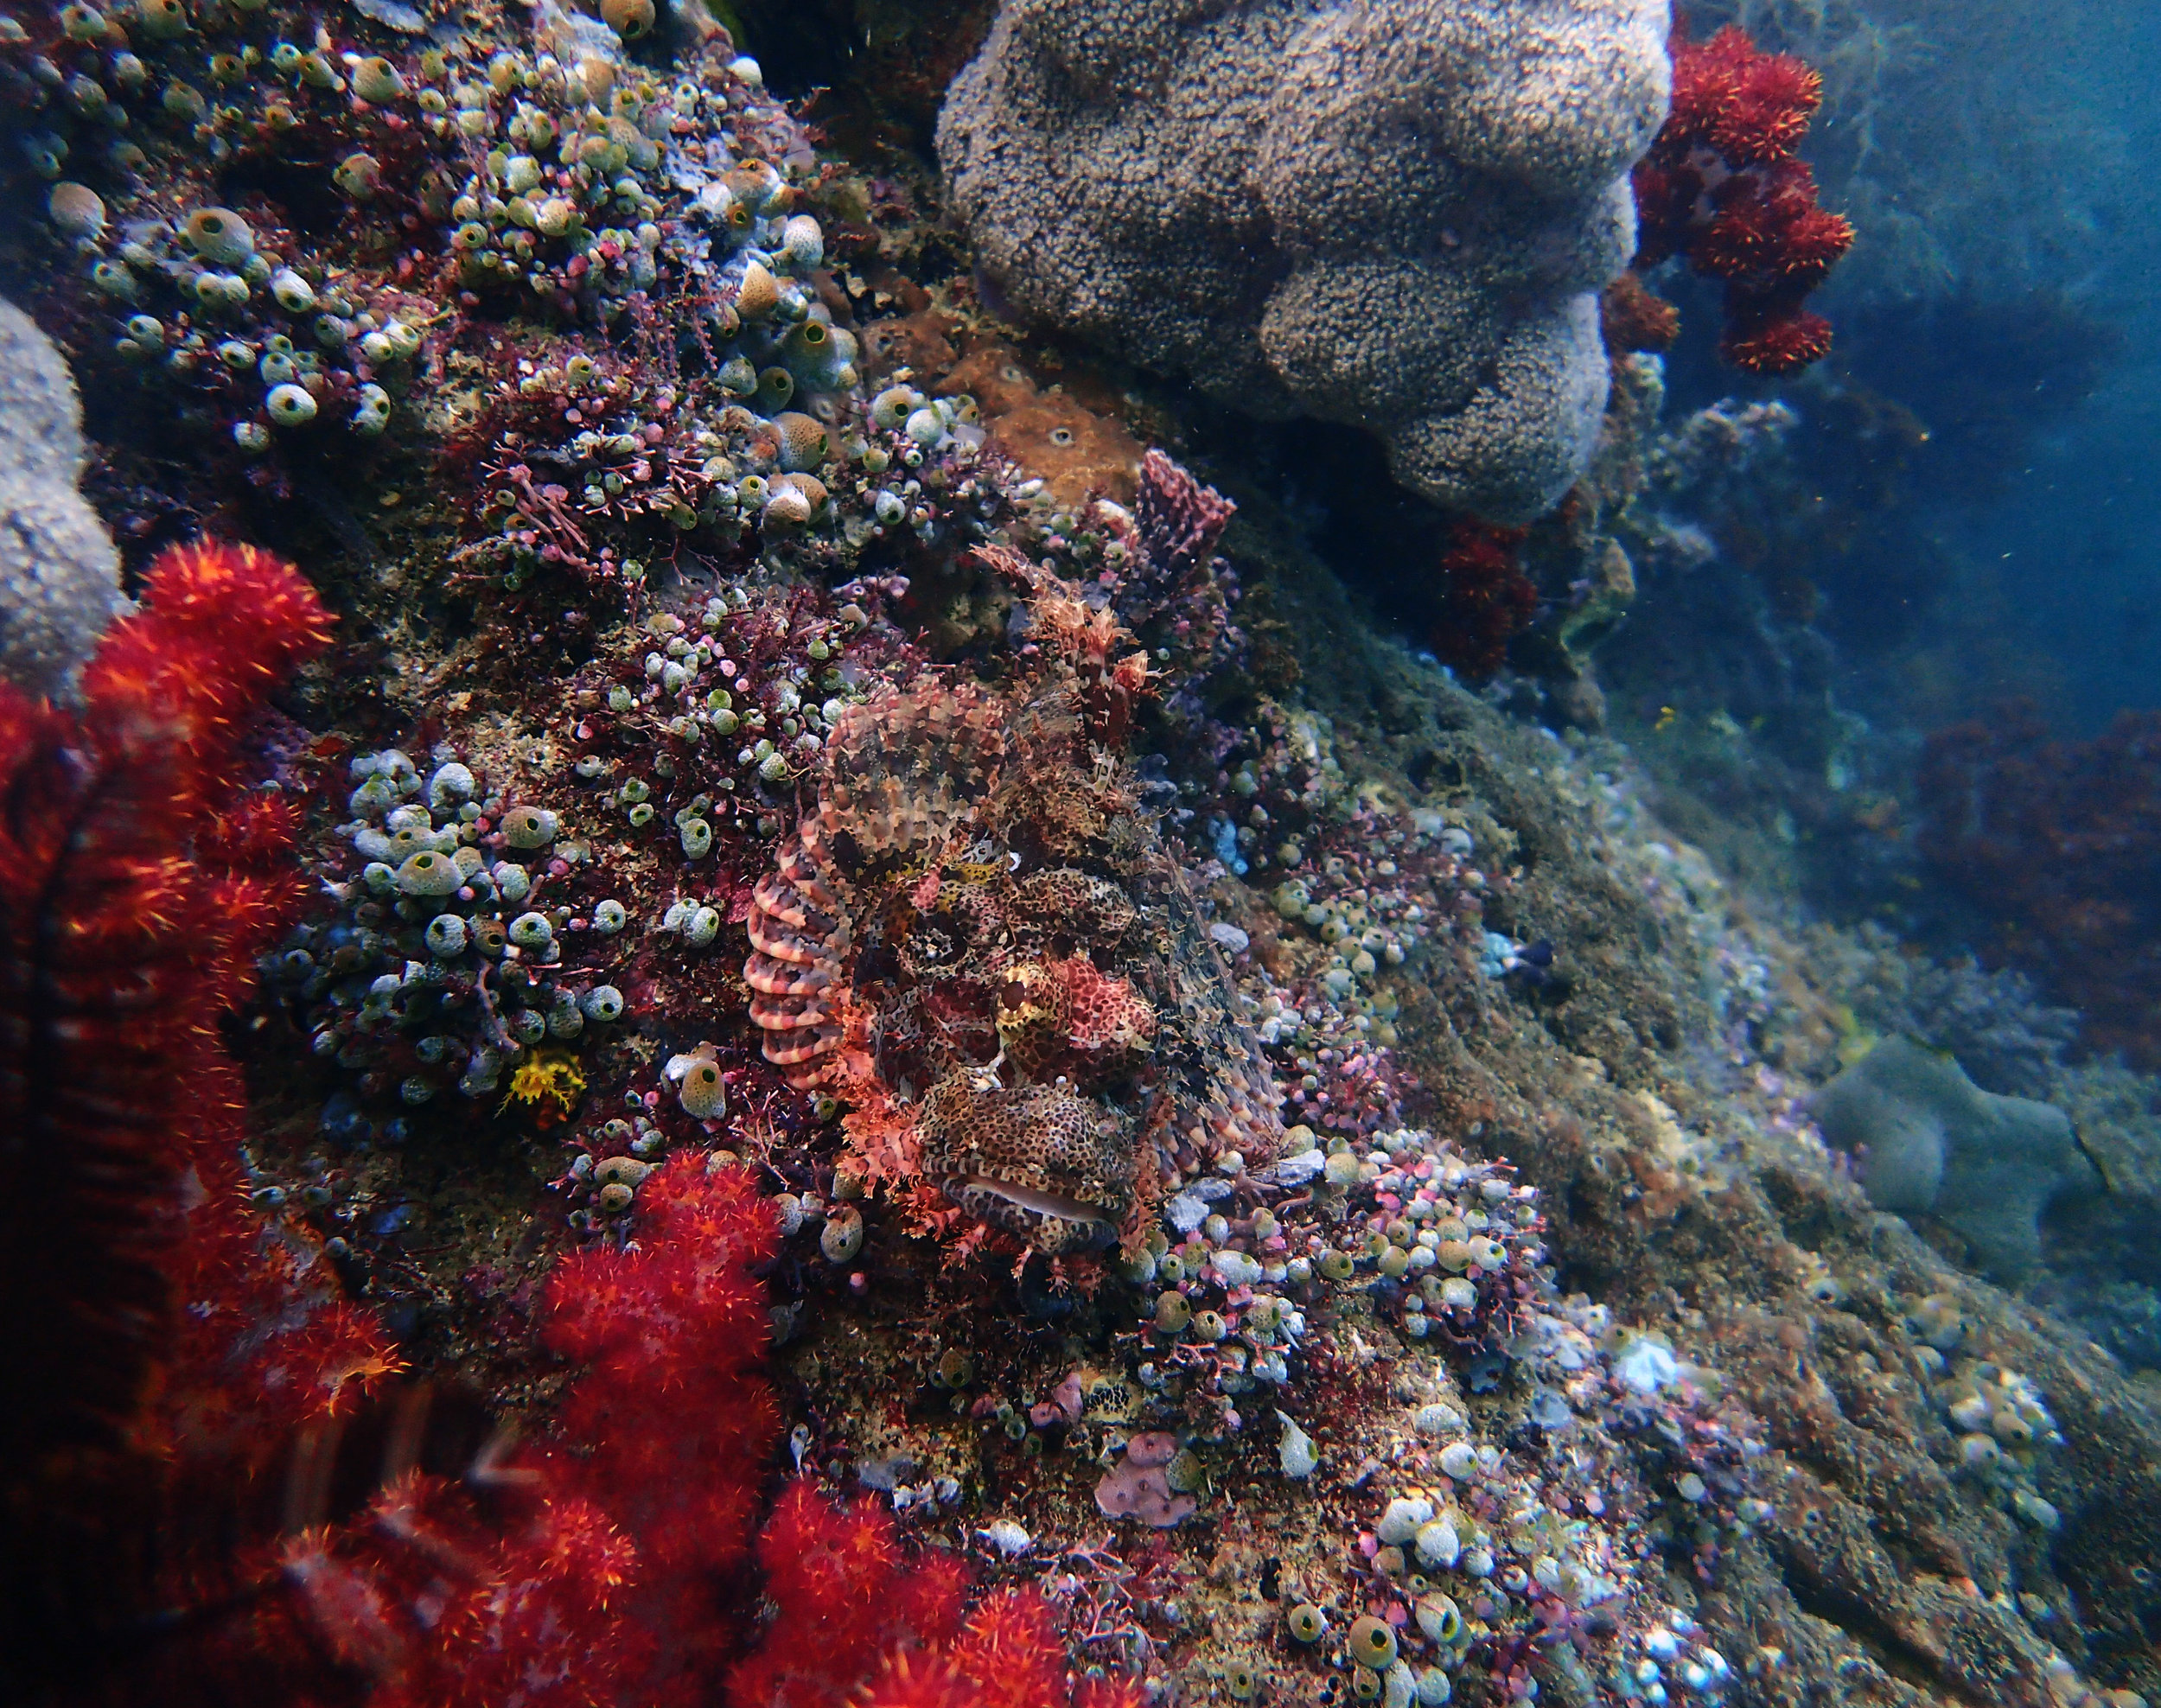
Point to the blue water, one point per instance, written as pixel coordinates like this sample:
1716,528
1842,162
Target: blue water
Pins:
1984,152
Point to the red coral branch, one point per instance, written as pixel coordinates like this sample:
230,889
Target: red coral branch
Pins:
123,934
858,1622
1721,186
1485,599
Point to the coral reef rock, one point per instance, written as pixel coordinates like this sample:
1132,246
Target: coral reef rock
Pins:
60,577
1394,216
1932,1141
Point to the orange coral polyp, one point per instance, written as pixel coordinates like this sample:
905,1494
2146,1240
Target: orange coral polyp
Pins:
1721,186
1782,346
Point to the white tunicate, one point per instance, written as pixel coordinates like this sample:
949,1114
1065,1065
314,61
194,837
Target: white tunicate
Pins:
610,917
603,1004
532,931
1434,1688
1438,1544
1007,1537
1399,1524
1295,1452
802,242
701,927
1458,1460
373,414
842,1236
451,784
294,293
701,1090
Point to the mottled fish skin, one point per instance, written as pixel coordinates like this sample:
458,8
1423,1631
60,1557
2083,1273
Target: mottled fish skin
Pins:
983,883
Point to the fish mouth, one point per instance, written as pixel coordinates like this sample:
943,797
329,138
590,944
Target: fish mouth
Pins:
1028,1197
1050,1221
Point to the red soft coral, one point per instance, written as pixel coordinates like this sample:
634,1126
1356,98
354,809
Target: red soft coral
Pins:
1721,186
126,931
856,1623
1485,599
193,1367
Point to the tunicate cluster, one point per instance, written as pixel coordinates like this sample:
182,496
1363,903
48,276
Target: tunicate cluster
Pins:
748,724
2003,1429
441,967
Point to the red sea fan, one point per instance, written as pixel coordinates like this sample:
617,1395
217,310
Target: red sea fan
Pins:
1722,187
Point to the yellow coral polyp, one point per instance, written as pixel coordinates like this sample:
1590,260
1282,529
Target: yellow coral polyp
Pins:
549,1081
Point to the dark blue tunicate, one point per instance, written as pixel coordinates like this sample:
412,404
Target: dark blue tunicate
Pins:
1037,1298
391,1222
1486,1372
343,1122
1549,1410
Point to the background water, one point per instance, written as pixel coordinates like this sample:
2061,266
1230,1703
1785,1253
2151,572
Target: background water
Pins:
2000,159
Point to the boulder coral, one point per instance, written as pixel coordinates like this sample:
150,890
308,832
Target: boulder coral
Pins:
1932,1141
59,577
1394,216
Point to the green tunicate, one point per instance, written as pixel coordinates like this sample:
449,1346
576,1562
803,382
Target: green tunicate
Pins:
529,827
608,917
601,1005
698,838
1371,1643
446,935
428,873
776,388
565,1018
701,927
532,931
